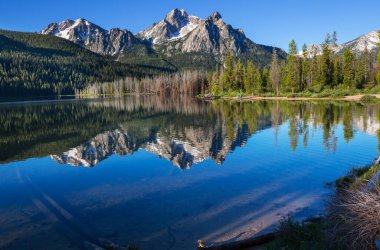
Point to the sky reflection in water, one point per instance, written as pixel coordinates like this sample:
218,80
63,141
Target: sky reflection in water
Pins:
161,174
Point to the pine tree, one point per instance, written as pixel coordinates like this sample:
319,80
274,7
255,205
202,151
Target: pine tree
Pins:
360,72
258,81
228,77
304,50
249,77
292,70
348,69
275,73
238,83
337,75
378,62
326,68
367,63
327,39
335,39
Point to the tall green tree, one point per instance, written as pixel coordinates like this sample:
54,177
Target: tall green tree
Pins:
292,68
335,39
228,77
348,69
326,68
275,73
327,39
238,83
378,61
249,77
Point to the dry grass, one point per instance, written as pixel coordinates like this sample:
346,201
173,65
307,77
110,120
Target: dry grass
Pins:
354,218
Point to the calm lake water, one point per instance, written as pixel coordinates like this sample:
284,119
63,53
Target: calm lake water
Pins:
161,174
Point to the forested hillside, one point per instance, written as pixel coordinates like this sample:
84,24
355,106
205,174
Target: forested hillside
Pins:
35,64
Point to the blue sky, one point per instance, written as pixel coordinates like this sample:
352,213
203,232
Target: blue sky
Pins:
271,22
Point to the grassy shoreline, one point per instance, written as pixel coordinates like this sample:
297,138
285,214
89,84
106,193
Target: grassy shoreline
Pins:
357,97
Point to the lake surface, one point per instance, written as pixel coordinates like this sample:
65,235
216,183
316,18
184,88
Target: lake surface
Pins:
163,173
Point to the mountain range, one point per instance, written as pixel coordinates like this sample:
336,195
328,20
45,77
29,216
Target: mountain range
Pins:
180,40
358,45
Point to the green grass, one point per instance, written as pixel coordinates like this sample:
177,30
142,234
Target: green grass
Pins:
357,176
299,235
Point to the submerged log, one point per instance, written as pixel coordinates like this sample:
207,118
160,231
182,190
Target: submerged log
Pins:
242,244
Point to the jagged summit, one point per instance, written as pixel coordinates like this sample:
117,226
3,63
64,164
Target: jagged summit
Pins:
358,45
215,16
176,24
92,36
178,34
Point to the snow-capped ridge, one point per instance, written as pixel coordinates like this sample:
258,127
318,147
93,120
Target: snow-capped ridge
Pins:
367,41
176,24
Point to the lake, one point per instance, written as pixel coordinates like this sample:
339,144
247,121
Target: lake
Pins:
162,173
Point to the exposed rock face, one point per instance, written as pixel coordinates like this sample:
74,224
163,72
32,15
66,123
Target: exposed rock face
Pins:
176,24
358,45
93,37
177,33
213,36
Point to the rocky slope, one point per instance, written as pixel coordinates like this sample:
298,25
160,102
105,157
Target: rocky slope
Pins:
179,37
369,41
358,45
175,25
93,37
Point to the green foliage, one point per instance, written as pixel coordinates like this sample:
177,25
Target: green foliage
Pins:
348,69
368,98
307,75
228,78
293,235
33,64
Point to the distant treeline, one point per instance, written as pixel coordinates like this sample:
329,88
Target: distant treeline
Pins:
188,83
307,72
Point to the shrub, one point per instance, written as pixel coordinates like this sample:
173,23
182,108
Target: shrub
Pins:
299,235
354,212
368,98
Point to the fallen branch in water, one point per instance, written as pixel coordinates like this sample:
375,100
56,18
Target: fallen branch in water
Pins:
252,242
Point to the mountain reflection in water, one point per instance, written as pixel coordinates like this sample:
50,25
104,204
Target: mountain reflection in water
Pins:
182,131
249,164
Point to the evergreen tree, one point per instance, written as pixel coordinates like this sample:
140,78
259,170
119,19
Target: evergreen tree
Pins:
326,68
249,78
360,67
292,47
292,69
275,73
258,81
327,39
228,77
378,62
238,83
335,39
348,69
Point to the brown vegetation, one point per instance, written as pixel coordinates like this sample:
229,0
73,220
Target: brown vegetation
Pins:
181,83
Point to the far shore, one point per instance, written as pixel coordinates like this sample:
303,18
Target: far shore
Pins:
284,98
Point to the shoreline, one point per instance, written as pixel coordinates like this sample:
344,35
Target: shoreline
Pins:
284,98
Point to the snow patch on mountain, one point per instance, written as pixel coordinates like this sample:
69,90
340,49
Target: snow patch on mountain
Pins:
369,41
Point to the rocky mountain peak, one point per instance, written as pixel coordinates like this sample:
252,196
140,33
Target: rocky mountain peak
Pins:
93,37
176,16
176,24
215,16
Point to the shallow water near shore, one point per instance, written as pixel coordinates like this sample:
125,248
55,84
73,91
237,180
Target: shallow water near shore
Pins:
163,173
